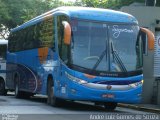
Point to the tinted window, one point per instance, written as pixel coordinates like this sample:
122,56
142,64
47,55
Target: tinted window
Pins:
35,36
63,49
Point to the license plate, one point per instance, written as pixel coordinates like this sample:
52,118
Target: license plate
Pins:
108,96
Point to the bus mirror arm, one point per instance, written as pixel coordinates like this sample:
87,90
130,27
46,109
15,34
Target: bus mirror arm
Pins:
67,32
150,37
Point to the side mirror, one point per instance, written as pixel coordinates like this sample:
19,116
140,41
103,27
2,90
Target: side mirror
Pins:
150,37
67,32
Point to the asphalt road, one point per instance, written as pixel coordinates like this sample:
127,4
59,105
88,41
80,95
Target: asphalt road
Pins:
36,108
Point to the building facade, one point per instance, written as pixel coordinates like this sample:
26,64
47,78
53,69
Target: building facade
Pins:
149,17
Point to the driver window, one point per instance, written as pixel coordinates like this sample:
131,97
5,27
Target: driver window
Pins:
63,49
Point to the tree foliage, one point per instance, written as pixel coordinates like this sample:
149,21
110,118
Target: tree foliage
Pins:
158,3
16,12
114,4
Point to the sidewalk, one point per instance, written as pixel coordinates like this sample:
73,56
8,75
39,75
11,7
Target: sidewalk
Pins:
142,107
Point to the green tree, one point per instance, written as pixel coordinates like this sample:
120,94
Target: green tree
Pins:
4,16
114,4
16,12
19,11
158,3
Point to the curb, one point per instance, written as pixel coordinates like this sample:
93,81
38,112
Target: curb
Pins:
140,108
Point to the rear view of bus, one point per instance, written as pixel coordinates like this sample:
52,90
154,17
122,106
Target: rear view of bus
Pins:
3,51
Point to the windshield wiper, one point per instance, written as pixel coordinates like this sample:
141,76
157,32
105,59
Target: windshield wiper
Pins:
117,58
99,60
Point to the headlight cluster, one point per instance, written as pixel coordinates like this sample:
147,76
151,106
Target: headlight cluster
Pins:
74,79
134,85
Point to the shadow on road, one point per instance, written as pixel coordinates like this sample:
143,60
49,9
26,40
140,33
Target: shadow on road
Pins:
69,105
74,105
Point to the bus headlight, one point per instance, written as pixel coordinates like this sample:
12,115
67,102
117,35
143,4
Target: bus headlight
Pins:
134,85
74,79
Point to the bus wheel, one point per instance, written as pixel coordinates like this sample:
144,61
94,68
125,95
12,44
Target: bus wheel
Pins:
52,100
16,83
110,106
3,91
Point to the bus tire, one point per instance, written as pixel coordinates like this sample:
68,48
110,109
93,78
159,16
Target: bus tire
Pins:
3,91
16,87
51,100
110,106
26,95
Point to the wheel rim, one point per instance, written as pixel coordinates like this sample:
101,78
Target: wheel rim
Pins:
1,86
50,93
16,86
110,105
16,90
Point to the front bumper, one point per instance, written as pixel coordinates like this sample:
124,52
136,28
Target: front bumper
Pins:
92,92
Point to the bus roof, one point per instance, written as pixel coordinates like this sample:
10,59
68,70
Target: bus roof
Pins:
87,13
99,14
3,41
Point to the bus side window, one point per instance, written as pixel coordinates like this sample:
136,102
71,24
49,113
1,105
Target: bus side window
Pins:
63,49
45,33
144,39
12,42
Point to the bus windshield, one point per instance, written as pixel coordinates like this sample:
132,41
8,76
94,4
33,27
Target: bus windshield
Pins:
105,47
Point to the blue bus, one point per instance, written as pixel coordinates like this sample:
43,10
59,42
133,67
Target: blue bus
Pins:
78,53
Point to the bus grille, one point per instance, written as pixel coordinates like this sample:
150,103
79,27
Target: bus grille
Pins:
117,82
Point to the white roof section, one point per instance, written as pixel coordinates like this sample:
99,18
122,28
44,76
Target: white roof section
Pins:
3,41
